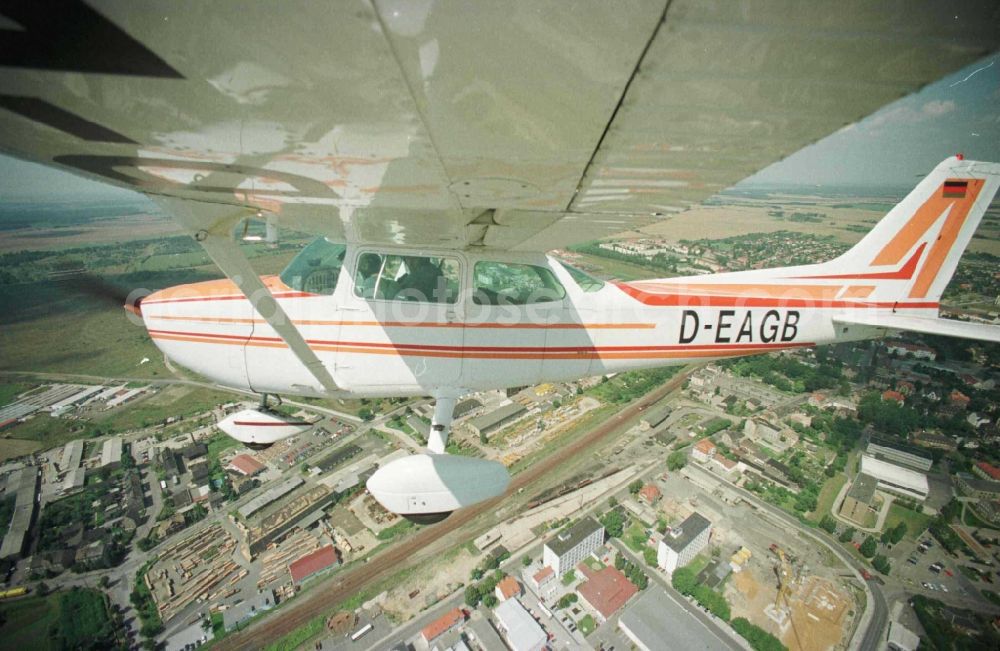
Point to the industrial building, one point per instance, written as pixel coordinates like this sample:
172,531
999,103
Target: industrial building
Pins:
71,456
314,563
683,543
24,484
495,420
896,479
654,617
269,496
111,452
245,465
858,502
569,547
519,628
902,455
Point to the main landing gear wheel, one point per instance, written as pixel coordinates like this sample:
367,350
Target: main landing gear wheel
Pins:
425,488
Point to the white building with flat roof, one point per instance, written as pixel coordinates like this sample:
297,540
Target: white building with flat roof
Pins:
567,548
682,543
519,628
896,479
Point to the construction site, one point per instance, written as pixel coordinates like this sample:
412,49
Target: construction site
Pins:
804,611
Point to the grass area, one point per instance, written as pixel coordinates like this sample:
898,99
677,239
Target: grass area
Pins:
299,636
50,432
594,564
10,390
27,623
176,401
395,530
569,577
970,519
587,625
219,443
698,563
72,619
991,596
916,523
610,268
827,494
635,537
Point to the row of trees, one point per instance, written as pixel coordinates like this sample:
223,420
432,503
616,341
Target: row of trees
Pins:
632,572
685,581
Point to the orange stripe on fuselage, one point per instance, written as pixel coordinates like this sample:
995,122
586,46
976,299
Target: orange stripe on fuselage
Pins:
922,220
748,290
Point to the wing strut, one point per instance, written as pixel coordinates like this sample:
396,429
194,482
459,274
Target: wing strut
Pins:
212,226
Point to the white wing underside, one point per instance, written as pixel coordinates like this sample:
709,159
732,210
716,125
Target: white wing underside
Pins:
520,125
925,325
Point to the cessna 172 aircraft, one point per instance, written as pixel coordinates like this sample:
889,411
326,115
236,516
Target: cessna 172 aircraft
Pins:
439,149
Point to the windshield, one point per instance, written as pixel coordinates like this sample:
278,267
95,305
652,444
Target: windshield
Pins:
586,282
316,268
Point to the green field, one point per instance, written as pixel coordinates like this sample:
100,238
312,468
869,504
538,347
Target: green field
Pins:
74,619
916,523
827,494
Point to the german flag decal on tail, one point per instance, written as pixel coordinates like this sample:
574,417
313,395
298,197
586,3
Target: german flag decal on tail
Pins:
955,189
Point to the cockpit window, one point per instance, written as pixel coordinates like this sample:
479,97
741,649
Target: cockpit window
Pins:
586,282
407,278
505,283
316,268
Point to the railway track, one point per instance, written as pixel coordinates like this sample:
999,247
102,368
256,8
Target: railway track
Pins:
320,599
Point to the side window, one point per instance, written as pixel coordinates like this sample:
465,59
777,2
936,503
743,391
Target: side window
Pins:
316,268
407,278
586,282
506,283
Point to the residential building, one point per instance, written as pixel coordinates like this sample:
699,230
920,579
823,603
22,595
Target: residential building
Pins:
858,502
542,577
519,628
895,479
900,454
450,621
927,439
703,451
890,395
985,489
917,351
986,471
683,543
497,419
605,591
725,465
563,551
650,494
507,588
958,399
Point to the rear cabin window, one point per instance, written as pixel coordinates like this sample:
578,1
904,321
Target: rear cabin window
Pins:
425,279
586,282
316,268
506,283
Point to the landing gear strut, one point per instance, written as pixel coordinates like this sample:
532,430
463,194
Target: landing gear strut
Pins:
444,413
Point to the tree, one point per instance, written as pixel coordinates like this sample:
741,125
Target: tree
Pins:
868,547
614,523
846,535
635,487
898,532
881,563
684,580
649,555
676,460
105,582
828,524
566,600
477,573
526,561
472,596
490,600
619,562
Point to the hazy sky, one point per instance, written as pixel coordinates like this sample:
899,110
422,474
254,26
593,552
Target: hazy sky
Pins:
904,140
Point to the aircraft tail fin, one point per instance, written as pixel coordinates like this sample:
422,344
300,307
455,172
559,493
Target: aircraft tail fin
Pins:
912,253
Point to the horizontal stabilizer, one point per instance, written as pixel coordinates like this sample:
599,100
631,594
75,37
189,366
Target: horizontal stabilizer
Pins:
926,325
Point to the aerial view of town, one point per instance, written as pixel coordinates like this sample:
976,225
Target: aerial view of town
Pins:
834,498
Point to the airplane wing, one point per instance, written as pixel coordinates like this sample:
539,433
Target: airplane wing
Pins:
925,325
522,124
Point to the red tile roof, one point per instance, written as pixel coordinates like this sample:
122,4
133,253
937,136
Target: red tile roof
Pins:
607,591
705,446
442,625
309,564
508,587
896,396
989,469
543,574
246,465
650,493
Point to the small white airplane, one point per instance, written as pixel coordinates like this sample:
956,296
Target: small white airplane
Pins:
441,148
